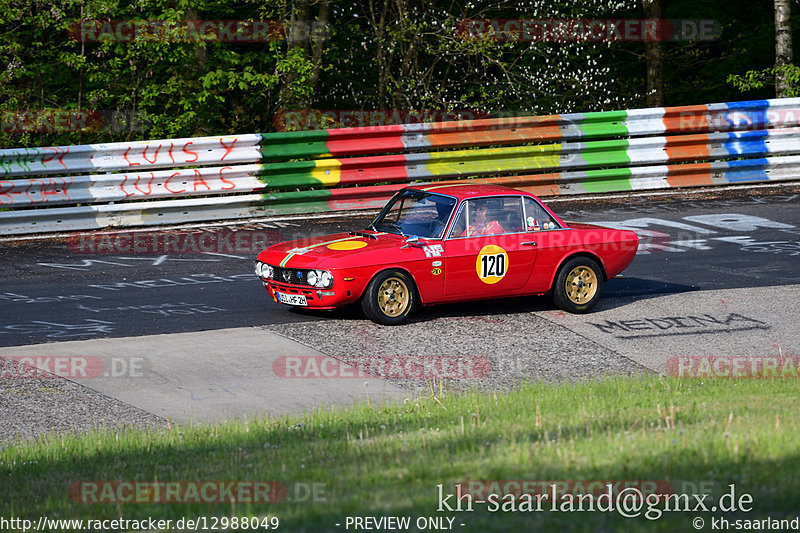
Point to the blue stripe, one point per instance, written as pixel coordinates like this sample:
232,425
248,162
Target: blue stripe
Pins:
747,142
748,170
747,104
751,114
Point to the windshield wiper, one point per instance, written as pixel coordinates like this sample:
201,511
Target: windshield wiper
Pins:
395,226
363,234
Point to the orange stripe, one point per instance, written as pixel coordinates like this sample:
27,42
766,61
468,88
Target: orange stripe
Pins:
477,138
687,119
687,147
692,175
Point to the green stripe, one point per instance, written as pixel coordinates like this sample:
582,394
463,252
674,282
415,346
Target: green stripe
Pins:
293,144
604,153
604,124
278,198
288,175
608,180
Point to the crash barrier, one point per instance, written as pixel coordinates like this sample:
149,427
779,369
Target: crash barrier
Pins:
170,181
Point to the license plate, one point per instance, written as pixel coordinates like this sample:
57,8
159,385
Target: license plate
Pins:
292,299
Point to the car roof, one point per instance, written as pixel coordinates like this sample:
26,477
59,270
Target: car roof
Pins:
467,190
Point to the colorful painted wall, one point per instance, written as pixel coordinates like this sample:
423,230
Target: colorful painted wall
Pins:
235,176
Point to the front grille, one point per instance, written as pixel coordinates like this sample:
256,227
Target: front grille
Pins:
280,287
294,276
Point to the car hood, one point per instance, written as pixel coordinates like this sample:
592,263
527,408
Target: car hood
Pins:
332,249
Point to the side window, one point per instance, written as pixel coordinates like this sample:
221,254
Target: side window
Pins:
512,219
489,216
536,218
492,216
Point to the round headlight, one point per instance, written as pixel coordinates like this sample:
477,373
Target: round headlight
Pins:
258,266
312,277
267,271
326,280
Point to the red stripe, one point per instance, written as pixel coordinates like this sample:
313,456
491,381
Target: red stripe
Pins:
371,139
379,168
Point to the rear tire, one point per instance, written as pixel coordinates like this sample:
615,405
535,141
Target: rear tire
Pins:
389,298
578,285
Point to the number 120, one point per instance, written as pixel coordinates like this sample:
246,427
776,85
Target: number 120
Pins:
493,266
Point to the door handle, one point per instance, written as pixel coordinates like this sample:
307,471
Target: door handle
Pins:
529,243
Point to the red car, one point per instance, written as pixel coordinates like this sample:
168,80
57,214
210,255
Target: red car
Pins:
435,244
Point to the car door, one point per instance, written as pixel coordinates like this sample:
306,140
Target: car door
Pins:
552,242
482,265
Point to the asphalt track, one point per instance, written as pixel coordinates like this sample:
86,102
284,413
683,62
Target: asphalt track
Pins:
731,258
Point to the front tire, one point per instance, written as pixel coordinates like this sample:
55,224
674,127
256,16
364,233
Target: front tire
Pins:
578,285
389,298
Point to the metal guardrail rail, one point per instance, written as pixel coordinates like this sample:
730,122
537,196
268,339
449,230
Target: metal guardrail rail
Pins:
236,176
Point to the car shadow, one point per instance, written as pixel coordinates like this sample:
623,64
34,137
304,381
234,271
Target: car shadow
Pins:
617,292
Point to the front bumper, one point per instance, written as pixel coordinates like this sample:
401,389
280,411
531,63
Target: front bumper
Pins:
316,298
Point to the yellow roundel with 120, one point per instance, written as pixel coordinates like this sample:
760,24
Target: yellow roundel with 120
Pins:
492,264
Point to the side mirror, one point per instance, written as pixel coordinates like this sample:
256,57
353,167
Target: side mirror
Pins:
413,240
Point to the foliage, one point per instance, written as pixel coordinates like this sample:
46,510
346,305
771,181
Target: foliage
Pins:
373,55
758,79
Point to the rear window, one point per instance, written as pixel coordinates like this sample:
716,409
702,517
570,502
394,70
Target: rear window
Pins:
537,218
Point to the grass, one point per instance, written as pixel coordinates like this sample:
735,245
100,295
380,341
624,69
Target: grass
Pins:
388,460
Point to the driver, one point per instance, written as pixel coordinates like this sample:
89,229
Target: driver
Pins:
480,225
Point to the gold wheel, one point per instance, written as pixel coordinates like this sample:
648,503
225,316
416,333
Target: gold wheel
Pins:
581,285
393,297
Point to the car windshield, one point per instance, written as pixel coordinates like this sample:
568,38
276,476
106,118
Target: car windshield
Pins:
416,213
